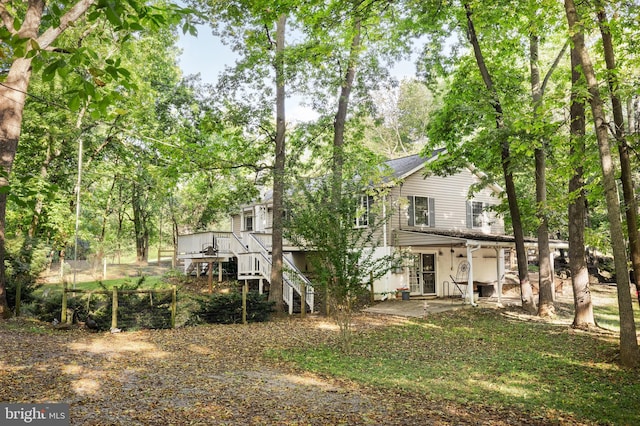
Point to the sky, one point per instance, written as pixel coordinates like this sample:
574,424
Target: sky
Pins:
207,56
204,54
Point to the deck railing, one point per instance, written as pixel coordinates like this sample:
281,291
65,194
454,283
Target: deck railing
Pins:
196,245
254,259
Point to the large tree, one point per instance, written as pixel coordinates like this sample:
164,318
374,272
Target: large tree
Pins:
28,38
629,354
30,30
546,283
577,209
628,188
261,45
526,293
276,279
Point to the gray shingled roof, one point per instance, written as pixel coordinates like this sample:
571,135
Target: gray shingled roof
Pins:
403,166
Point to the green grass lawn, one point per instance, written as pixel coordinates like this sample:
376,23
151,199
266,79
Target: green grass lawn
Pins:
149,283
484,358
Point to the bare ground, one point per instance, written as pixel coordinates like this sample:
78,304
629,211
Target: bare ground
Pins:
207,375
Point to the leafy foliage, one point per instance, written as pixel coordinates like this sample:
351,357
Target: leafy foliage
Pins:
144,310
341,241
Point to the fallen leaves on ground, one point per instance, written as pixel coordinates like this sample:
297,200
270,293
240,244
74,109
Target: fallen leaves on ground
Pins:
207,375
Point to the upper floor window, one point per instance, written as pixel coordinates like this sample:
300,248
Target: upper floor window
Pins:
475,214
363,211
421,211
248,223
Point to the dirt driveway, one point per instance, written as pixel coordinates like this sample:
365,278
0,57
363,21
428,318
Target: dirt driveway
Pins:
206,375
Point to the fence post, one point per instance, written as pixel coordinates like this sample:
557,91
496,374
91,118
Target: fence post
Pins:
114,308
245,289
372,296
63,313
173,307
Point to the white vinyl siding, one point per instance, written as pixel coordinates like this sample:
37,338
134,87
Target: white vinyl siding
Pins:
450,195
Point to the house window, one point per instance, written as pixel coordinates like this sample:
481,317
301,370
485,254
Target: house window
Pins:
362,213
475,214
421,211
248,223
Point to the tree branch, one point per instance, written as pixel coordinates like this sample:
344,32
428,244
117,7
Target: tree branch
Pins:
553,67
72,15
269,39
6,17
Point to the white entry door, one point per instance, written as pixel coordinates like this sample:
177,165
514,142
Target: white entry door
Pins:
422,274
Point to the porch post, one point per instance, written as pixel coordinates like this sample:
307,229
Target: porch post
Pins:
500,271
384,227
210,275
553,275
470,250
470,277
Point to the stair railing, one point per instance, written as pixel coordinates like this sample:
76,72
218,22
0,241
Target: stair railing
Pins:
291,275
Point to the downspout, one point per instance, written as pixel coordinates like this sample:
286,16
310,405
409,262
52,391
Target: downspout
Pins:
384,215
387,276
400,208
470,250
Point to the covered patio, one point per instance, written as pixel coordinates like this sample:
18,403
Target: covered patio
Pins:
440,255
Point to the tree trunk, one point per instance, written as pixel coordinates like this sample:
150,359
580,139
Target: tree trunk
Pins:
629,354
630,204
276,281
12,98
13,93
140,225
583,315
545,283
339,124
528,302
340,118
51,153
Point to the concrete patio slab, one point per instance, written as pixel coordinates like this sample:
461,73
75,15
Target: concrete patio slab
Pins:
420,308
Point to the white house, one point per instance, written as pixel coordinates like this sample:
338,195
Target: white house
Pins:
451,239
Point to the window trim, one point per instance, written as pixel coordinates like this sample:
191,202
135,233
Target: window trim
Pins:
246,218
472,215
431,212
362,221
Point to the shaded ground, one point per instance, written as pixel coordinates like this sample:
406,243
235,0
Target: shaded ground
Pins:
207,375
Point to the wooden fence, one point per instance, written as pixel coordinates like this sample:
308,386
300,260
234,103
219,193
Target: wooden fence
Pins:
114,301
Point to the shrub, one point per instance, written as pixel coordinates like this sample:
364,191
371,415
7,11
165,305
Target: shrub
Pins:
23,265
227,308
135,310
